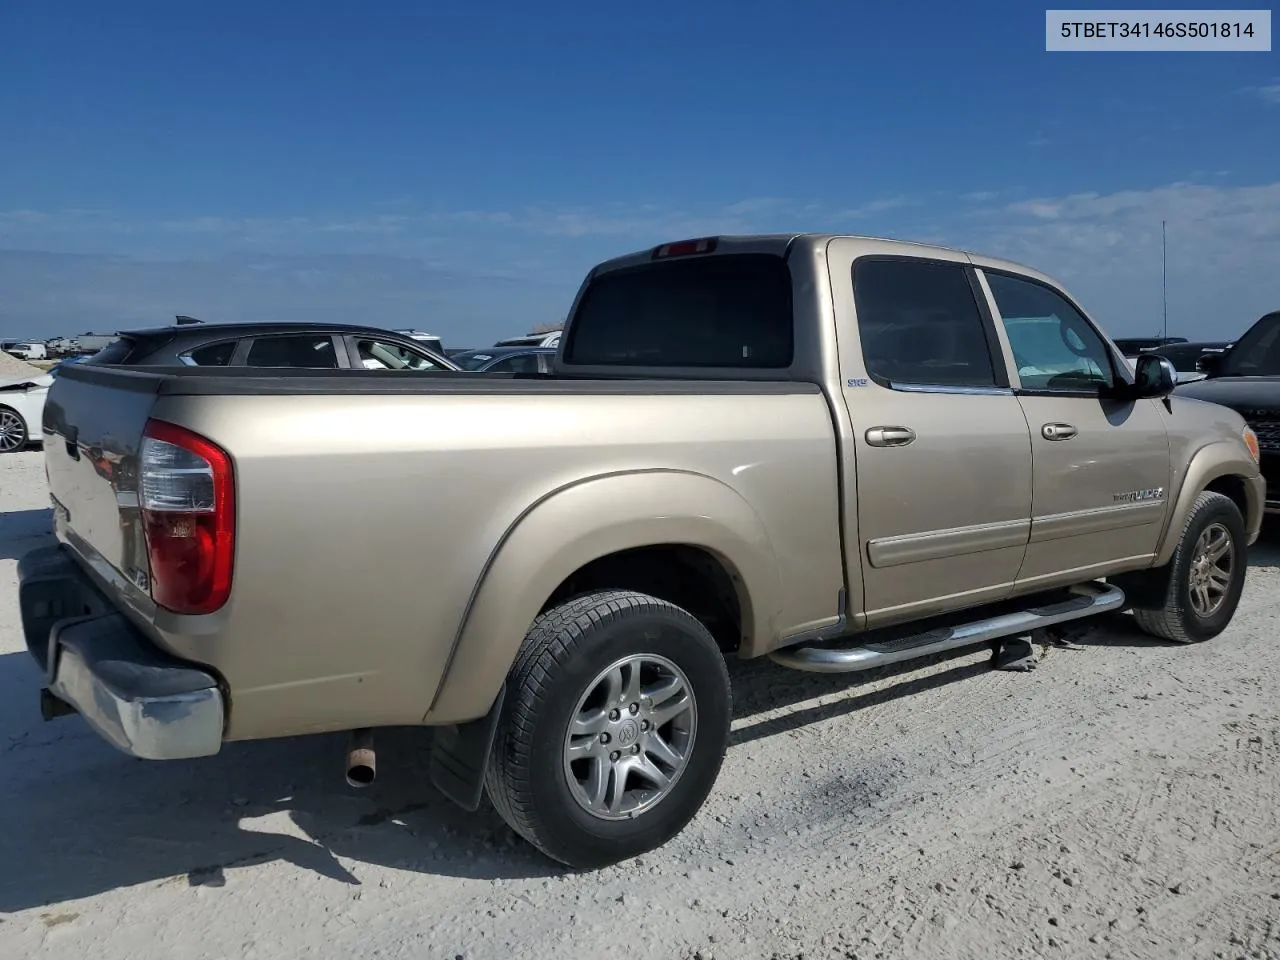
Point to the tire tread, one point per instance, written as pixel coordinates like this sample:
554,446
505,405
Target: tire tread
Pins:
1168,621
556,637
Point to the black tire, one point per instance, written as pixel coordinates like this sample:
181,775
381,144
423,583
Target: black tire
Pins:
1173,616
15,435
565,652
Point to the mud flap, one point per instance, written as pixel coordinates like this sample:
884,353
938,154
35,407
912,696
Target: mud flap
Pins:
460,754
1144,589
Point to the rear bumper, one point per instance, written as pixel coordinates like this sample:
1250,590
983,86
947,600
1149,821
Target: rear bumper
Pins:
134,695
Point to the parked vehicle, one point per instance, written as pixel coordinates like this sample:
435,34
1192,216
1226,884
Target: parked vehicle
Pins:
316,346
506,360
25,349
1246,378
837,452
1132,346
532,340
21,406
429,340
1185,357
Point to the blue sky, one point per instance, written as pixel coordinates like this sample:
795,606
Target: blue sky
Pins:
459,169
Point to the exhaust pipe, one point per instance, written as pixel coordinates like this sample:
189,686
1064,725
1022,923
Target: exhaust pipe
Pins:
362,762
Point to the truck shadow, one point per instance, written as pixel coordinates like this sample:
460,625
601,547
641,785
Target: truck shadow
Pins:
22,530
81,819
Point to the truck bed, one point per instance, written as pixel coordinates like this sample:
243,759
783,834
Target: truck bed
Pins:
370,504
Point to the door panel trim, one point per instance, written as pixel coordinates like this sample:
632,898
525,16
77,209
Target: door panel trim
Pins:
1097,520
945,544
962,389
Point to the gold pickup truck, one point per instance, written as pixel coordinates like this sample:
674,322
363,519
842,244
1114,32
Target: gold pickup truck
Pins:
836,452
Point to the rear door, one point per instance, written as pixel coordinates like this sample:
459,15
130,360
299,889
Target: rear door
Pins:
940,477
1102,467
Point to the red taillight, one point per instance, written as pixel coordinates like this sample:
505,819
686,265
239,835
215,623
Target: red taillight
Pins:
685,248
186,489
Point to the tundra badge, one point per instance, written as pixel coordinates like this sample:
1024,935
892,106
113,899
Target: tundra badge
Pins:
1137,496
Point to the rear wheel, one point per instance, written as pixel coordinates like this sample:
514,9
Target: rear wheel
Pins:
13,430
1203,582
613,730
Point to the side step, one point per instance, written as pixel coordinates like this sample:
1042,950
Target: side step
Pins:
1089,599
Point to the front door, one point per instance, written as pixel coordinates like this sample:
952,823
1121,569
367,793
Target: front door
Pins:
939,487
1101,466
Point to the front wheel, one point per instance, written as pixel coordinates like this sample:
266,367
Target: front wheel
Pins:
613,730
1205,577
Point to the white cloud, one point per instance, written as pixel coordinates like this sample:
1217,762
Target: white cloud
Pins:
1224,245
1268,93
1223,248
47,294
871,208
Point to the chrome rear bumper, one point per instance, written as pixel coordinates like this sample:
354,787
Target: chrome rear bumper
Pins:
135,696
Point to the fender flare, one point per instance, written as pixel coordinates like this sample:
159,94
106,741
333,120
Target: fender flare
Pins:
581,522
1221,458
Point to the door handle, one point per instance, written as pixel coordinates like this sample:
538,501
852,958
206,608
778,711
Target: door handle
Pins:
890,436
1057,431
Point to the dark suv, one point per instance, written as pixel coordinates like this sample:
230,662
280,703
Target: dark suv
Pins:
1246,378
309,345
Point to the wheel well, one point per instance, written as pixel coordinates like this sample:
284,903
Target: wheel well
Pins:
1233,488
692,578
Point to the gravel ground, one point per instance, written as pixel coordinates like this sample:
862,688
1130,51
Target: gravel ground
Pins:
1119,801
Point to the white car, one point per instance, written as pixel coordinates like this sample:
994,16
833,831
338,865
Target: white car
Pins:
21,411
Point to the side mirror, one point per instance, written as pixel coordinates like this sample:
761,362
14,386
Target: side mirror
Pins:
1154,377
1210,364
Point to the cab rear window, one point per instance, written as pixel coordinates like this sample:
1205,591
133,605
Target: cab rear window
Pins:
731,310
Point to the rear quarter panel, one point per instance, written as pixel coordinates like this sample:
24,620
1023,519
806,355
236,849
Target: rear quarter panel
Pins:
365,523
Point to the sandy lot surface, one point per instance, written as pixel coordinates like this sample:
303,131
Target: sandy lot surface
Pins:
11,368
1120,801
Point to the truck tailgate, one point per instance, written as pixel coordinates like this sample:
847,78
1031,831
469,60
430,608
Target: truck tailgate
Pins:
93,423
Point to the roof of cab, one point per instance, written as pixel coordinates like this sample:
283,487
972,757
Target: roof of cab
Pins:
780,242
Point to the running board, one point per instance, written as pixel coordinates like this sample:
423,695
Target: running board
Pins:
1089,599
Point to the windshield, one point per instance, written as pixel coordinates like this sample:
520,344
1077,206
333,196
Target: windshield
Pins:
472,361
1257,353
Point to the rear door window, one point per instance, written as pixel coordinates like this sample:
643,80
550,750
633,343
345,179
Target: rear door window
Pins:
308,352
730,310
919,324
